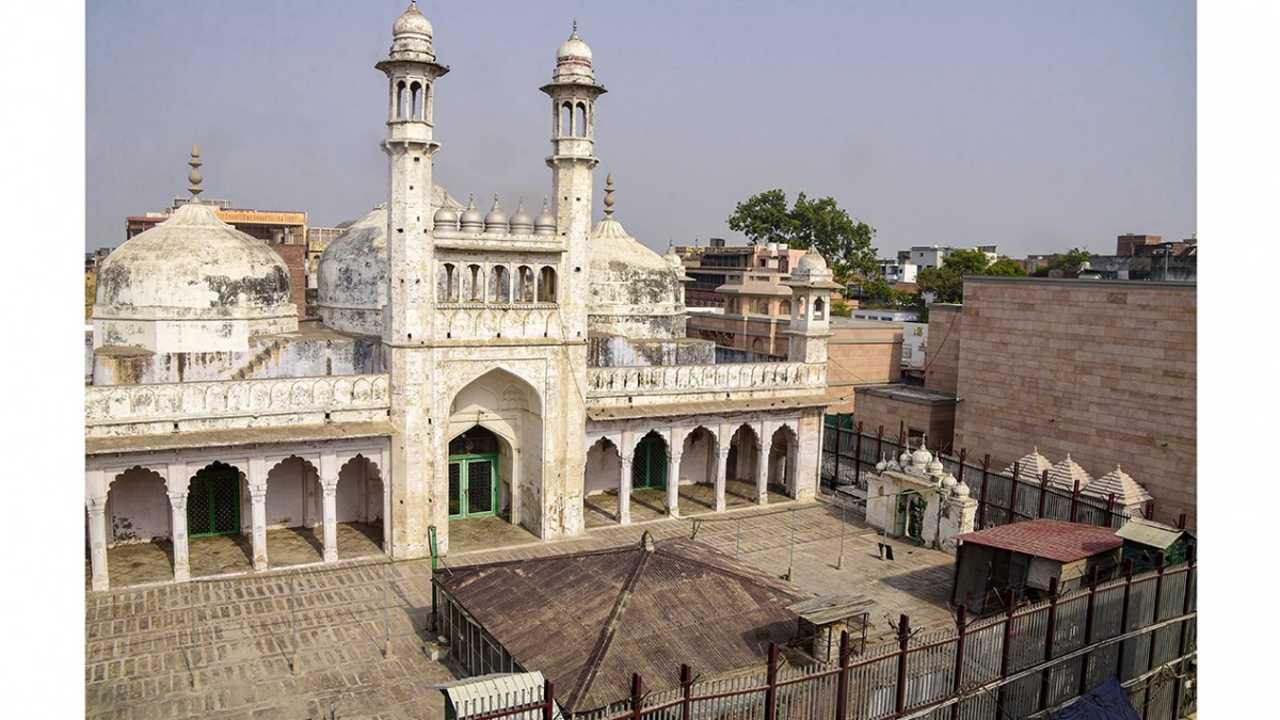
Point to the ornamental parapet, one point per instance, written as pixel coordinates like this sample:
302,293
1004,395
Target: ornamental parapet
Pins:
117,410
720,382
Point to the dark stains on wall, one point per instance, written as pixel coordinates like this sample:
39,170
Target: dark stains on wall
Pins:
266,291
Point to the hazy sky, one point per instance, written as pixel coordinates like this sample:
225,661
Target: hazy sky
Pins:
1036,126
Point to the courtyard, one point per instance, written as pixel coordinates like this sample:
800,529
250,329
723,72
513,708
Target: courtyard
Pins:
292,643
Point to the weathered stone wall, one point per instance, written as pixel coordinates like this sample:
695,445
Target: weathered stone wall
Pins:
942,353
1103,370
618,351
874,411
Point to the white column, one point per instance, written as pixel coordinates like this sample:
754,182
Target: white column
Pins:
624,489
97,507
722,468
181,549
384,475
762,471
673,483
329,486
258,495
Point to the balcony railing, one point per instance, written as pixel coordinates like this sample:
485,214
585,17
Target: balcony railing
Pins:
692,379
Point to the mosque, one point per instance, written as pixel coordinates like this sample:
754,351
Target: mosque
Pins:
469,370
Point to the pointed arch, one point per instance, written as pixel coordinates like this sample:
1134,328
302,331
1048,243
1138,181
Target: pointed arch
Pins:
699,455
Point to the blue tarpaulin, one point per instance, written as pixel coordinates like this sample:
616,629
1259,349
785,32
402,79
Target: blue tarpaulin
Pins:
1108,701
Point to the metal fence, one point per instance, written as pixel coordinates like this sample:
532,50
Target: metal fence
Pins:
1018,664
848,452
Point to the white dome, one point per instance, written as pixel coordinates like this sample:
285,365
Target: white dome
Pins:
574,49
412,22
191,284
811,261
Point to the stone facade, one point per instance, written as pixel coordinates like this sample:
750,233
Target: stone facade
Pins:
1102,370
942,364
918,412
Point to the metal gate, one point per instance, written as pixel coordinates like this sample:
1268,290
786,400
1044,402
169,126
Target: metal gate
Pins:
473,486
649,466
213,505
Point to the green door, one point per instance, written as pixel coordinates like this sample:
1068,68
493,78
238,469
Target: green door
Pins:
213,505
649,465
473,486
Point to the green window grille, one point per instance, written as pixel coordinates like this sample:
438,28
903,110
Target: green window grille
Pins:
473,485
213,504
649,464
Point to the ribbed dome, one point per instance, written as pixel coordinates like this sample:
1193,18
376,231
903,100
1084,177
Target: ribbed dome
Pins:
522,221
472,220
496,221
446,219
193,265
545,224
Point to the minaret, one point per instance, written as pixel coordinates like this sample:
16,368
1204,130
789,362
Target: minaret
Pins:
811,285
573,90
411,71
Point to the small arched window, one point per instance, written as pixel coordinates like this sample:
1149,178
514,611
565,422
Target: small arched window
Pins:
402,101
477,283
547,285
566,120
500,284
580,128
416,100
819,308
524,293
804,308
785,308
447,283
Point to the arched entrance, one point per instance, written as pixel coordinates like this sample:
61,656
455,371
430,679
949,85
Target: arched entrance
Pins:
649,463
743,459
213,502
783,451
294,512
359,507
474,466
139,528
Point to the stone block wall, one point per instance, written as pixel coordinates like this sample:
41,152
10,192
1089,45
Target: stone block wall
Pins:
942,351
295,258
1103,370
861,353
937,420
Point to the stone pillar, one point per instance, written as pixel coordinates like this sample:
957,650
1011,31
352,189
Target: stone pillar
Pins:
673,483
762,471
181,549
722,471
258,494
624,489
329,487
97,507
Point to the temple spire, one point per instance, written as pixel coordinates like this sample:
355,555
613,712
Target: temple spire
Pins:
194,178
608,196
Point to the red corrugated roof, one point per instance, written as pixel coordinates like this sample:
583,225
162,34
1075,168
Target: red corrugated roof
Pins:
1051,539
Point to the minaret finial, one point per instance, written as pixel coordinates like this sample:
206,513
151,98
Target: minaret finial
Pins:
193,176
575,28
608,196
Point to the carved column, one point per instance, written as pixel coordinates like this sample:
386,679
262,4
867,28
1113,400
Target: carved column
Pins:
762,470
329,487
97,507
673,483
722,471
258,494
624,489
181,548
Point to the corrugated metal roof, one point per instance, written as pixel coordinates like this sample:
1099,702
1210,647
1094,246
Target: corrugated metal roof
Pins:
1153,534
590,620
487,693
1051,539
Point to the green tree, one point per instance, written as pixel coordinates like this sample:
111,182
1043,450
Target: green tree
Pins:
1071,262
947,282
819,224
1005,267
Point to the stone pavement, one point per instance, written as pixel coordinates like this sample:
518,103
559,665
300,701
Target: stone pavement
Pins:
287,644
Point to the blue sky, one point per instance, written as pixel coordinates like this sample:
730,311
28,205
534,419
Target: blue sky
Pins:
1035,126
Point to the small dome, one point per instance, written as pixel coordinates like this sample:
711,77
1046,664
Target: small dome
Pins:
546,222
522,221
472,220
904,458
921,458
811,261
884,463
412,22
496,221
936,467
573,61
446,218
574,49
948,480
962,490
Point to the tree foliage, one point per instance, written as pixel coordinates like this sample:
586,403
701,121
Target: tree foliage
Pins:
1070,262
1005,267
819,224
947,282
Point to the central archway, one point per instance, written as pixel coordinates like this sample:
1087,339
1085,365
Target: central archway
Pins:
494,451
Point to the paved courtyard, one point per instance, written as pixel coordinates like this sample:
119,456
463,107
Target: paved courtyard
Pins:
289,643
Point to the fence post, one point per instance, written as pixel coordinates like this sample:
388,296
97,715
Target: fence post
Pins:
1048,642
1088,630
1013,495
1124,617
686,692
982,492
1004,650
1111,508
857,457
1155,618
879,443
904,638
636,689
1182,629
1075,498
958,681
548,700
842,680
1044,487
960,472
771,692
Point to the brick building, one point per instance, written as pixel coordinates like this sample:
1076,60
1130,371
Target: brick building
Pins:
1103,370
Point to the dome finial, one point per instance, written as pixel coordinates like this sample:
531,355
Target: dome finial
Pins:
574,34
608,196
193,176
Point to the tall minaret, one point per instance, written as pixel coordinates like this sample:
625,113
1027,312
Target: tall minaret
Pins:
811,285
411,70
573,90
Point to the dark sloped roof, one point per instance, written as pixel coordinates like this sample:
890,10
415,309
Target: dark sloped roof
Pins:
1052,539
590,620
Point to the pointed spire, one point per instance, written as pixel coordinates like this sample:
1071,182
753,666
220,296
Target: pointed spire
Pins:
193,176
574,34
608,196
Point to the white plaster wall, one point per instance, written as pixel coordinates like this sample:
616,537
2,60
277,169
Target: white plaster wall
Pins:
138,507
293,496
359,497
697,464
604,468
